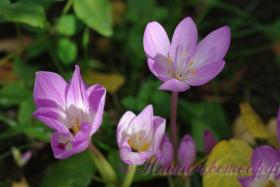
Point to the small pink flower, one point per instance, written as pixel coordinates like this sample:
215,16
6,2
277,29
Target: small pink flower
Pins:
139,137
164,154
187,152
209,141
184,63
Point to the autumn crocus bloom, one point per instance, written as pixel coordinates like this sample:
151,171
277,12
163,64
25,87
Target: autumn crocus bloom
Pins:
184,63
164,155
265,163
139,137
72,111
186,152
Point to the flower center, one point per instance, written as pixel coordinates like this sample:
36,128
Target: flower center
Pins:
75,126
139,143
181,66
270,183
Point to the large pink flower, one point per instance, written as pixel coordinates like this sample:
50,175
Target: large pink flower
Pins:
74,112
184,63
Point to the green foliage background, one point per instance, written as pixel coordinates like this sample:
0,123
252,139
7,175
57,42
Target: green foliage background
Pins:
106,36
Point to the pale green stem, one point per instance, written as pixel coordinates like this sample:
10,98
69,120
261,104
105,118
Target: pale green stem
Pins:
67,6
129,176
104,167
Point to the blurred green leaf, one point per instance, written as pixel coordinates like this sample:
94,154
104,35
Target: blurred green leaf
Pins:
26,13
24,71
4,2
66,25
149,93
44,3
96,14
66,50
36,130
12,94
26,109
85,40
76,171
210,112
37,47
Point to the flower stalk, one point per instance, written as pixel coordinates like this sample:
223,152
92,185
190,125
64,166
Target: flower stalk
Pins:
173,116
129,176
104,167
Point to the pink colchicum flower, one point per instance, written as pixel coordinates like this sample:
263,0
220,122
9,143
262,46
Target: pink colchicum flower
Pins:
74,112
209,141
164,154
184,63
186,152
139,137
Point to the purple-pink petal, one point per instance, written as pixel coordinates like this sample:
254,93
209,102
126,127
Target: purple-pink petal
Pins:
246,181
278,126
185,35
51,117
265,155
49,88
155,40
187,152
174,85
96,95
65,145
209,141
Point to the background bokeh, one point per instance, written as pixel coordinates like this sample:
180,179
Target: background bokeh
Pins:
105,39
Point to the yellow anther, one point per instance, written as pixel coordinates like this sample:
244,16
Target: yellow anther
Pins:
270,184
137,144
169,60
75,126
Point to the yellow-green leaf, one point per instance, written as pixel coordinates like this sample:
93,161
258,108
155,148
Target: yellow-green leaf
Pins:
111,81
253,122
229,157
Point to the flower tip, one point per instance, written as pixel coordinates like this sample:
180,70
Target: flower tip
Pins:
187,19
149,109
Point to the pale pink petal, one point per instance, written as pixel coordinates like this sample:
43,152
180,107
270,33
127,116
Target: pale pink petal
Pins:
159,124
123,125
204,74
134,158
143,121
156,41
174,85
185,35
213,47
